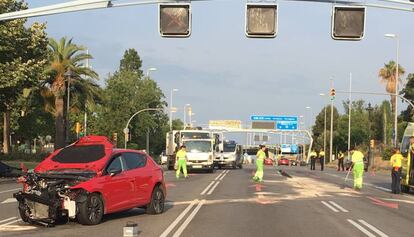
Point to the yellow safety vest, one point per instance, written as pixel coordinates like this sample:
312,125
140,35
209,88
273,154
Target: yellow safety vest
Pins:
357,157
396,160
321,153
261,154
313,154
181,154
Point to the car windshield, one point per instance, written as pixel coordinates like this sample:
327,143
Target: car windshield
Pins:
229,147
198,146
80,154
252,152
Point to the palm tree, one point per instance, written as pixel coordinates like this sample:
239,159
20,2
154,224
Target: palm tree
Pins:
387,76
64,56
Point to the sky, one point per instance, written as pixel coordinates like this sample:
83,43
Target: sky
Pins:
225,75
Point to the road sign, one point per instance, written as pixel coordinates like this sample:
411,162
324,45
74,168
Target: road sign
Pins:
224,124
261,20
281,122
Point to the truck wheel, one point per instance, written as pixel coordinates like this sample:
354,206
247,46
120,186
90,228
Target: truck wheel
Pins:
91,211
211,170
156,206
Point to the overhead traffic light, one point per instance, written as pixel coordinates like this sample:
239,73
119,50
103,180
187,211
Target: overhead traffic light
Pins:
261,20
372,143
175,20
332,93
348,22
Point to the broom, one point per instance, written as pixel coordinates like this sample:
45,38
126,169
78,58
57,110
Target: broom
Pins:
346,178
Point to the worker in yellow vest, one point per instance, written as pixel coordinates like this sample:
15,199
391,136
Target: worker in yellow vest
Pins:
261,155
357,168
313,155
396,171
322,159
181,161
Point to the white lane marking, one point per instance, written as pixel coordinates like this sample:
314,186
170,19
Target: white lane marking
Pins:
218,176
11,190
383,189
206,189
9,200
222,177
329,206
338,206
8,219
188,220
11,222
212,189
178,219
382,234
362,229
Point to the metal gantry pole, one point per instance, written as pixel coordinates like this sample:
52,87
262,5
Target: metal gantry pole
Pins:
324,132
331,130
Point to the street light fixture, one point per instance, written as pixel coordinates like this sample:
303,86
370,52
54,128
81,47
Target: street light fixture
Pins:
394,36
150,70
310,109
171,108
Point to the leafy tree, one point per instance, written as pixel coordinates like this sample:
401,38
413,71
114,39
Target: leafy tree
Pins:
64,56
131,62
22,59
318,128
126,93
387,75
408,93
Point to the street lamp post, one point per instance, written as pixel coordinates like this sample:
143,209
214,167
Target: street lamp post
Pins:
324,128
126,129
171,107
310,117
185,114
369,109
394,36
69,75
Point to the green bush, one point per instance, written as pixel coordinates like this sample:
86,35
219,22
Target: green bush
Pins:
17,156
386,153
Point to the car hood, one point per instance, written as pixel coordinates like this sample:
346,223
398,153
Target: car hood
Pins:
89,153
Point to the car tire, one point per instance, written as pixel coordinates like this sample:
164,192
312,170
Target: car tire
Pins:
91,211
240,166
23,212
156,205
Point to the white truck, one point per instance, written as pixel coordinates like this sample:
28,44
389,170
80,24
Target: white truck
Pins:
199,145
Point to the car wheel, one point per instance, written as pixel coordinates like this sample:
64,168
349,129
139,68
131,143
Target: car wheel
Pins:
91,211
24,212
156,206
240,166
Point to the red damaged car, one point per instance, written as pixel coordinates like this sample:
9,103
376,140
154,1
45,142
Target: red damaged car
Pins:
88,179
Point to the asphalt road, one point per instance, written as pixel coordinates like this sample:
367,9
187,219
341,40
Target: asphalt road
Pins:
229,203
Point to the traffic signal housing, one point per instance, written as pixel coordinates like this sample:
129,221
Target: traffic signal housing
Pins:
348,22
372,143
77,128
261,20
174,20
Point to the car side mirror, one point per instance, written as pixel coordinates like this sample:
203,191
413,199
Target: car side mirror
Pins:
114,172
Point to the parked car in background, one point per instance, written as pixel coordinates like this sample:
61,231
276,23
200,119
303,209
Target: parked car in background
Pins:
88,179
268,161
163,158
283,161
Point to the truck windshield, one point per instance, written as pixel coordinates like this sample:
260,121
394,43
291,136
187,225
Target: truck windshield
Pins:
229,147
198,146
195,135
